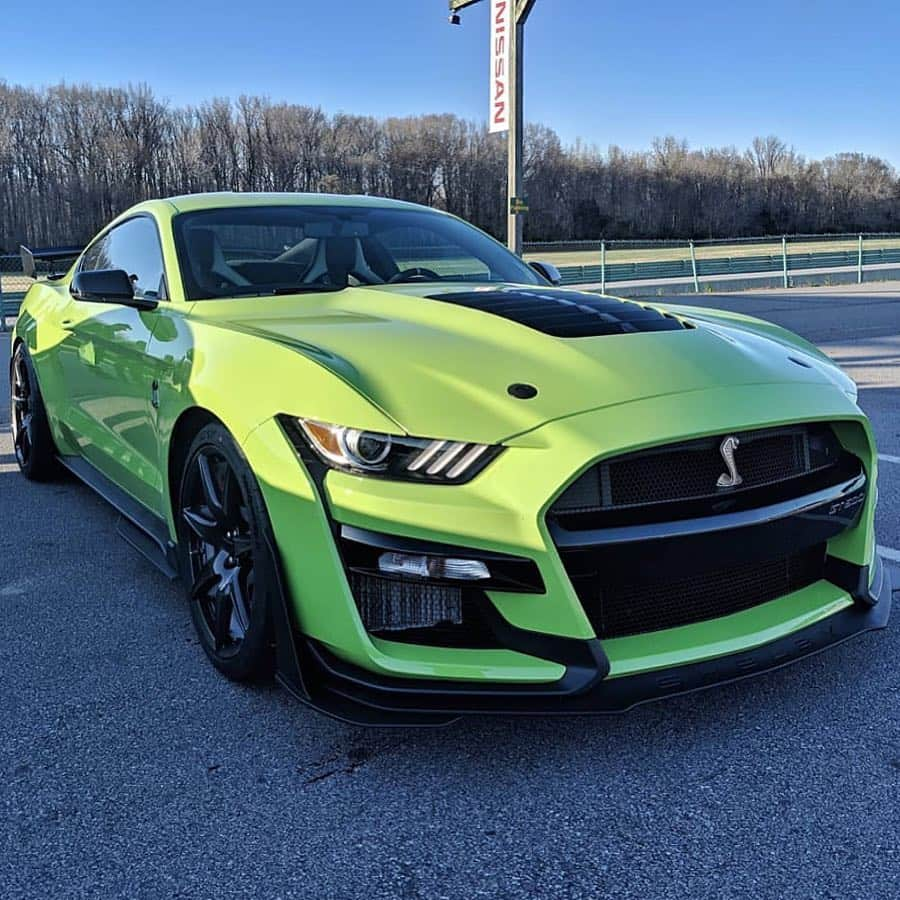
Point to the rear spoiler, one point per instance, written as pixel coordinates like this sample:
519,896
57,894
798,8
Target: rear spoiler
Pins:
30,258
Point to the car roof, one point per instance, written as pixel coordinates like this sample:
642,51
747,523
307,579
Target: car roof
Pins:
220,199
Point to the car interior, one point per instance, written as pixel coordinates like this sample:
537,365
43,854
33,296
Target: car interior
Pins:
333,260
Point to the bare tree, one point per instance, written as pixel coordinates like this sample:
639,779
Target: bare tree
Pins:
73,156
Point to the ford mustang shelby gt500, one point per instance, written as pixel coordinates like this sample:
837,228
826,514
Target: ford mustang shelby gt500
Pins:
413,477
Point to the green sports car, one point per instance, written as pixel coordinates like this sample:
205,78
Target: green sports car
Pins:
408,474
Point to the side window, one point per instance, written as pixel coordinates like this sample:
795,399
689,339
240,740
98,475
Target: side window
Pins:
134,247
95,256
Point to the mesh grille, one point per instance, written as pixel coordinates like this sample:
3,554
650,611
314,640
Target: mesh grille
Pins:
390,605
666,602
421,613
691,470
695,471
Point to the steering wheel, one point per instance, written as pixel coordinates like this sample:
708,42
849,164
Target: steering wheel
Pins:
415,274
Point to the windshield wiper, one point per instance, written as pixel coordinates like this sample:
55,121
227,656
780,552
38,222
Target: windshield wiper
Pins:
309,289
257,291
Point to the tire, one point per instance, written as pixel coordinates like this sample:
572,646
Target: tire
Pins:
225,554
32,440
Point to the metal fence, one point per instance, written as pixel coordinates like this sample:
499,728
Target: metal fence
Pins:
14,282
13,285
700,263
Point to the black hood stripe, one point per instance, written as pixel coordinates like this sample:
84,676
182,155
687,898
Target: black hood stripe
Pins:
565,314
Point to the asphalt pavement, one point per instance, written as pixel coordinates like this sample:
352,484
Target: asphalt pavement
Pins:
129,768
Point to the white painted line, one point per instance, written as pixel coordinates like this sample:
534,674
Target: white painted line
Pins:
886,457
890,553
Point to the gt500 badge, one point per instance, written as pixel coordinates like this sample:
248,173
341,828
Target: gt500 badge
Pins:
847,504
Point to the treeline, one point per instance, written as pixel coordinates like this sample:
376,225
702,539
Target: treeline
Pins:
72,157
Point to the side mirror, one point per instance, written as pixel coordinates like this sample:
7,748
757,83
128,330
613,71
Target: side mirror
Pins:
547,271
108,286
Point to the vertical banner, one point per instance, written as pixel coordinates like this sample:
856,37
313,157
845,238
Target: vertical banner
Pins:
501,22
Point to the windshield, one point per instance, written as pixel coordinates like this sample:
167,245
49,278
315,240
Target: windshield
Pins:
240,251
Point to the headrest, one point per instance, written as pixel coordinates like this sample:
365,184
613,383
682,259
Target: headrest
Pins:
340,253
202,247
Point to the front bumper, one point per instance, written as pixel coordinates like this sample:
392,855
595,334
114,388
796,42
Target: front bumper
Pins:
552,660
354,694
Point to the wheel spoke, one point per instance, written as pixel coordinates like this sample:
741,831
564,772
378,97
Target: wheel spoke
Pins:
222,620
231,497
21,376
241,546
23,444
207,579
210,488
203,525
239,604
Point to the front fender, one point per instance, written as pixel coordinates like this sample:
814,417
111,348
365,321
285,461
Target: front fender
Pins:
753,325
243,380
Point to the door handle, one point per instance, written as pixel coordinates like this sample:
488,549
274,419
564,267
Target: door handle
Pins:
67,323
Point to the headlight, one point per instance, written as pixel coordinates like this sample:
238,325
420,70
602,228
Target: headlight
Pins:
393,456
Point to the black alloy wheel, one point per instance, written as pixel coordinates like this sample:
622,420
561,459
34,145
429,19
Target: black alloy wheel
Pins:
226,559
22,413
32,441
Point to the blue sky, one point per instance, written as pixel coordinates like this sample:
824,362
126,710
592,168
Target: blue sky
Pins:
824,76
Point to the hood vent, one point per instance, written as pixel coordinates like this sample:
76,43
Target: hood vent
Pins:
565,314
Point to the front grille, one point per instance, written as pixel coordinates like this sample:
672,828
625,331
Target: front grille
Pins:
665,577
693,470
774,463
667,601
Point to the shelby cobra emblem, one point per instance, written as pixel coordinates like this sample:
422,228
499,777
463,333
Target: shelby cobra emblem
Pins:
731,478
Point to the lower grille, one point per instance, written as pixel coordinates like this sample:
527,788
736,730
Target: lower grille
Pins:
414,612
656,603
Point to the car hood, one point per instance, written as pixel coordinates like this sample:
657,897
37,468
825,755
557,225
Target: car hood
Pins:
440,360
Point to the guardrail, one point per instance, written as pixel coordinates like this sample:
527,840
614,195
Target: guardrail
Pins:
745,265
696,261
9,308
12,288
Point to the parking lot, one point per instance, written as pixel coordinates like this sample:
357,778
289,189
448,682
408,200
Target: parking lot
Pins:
129,768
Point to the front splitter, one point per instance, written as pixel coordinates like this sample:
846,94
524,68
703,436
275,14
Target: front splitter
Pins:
364,698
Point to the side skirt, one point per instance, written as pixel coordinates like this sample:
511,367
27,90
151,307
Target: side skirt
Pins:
149,535
142,529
